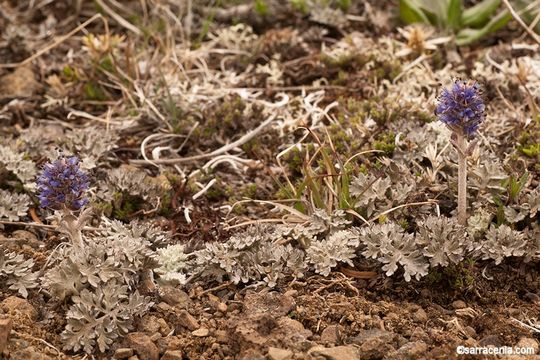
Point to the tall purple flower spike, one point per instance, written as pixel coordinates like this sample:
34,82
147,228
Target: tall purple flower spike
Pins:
63,184
461,108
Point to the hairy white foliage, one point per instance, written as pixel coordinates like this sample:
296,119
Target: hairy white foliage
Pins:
487,177
13,206
16,272
251,256
442,240
100,317
16,163
368,190
100,278
501,242
90,144
390,245
339,246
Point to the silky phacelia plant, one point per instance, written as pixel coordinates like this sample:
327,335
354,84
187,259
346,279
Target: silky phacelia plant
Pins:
62,185
462,108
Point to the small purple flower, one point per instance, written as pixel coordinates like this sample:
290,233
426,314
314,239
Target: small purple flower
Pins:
63,184
461,108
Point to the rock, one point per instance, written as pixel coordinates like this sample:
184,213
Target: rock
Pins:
513,311
279,354
202,332
469,330
175,297
419,334
170,343
331,335
5,329
163,306
291,292
222,336
172,355
186,320
20,83
164,328
459,304
222,307
268,303
143,346
19,307
420,316
348,352
251,354
532,297
411,350
265,324
374,343
149,324
123,353
490,340
29,353
365,335
525,342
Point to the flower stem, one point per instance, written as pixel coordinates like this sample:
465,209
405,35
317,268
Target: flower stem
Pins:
461,143
70,225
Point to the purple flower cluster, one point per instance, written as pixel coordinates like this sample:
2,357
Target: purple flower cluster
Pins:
461,108
63,184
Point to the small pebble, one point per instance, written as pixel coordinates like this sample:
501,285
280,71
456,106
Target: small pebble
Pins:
202,332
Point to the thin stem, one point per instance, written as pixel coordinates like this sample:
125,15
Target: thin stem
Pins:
461,143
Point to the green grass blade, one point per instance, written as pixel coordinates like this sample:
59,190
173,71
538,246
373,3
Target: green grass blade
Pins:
411,12
479,15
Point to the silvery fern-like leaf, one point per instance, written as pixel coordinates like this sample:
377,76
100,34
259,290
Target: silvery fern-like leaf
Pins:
132,181
250,255
400,192
374,238
339,246
65,279
442,240
515,214
367,189
17,272
501,242
320,223
99,318
13,206
16,163
390,245
115,254
91,144
414,265
533,202
488,176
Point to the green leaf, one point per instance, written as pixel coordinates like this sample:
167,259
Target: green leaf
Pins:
453,15
468,35
479,14
410,11
437,11
261,8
